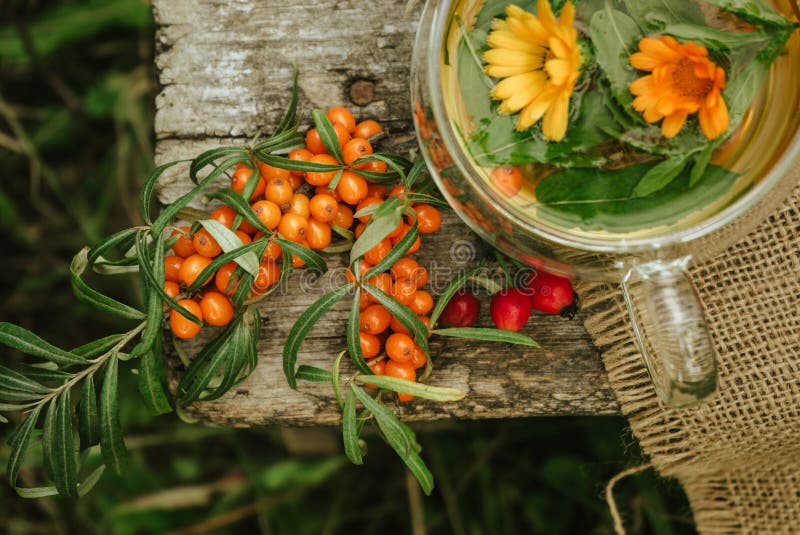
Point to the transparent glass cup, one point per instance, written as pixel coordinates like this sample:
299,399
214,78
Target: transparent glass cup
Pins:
665,310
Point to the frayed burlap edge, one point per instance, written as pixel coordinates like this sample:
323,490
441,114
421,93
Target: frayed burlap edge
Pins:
737,456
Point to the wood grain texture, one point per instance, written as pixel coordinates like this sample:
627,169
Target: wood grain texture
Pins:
225,71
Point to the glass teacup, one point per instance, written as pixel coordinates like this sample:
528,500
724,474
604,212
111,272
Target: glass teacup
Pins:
650,261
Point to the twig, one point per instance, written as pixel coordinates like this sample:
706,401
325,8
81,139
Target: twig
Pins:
619,528
415,505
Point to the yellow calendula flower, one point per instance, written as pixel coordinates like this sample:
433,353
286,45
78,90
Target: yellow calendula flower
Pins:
538,59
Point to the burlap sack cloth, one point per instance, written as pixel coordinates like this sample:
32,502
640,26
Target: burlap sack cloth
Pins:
737,457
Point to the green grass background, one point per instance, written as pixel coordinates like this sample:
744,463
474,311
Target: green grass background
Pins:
77,87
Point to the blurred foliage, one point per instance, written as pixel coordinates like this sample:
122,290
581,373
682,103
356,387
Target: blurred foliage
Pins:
76,111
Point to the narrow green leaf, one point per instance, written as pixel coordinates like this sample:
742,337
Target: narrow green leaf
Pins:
3,419
65,467
290,117
450,290
146,269
88,415
417,466
36,492
660,175
91,480
255,248
229,242
280,143
48,435
197,376
210,156
353,336
396,253
43,372
112,444
350,429
235,363
15,407
25,341
335,180
313,374
146,193
302,327
335,380
20,443
236,201
150,382
385,219
403,314
169,213
95,348
488,334
16,395
415,197
155,311
9,379
311,259
397,167
296,165
389,424
415,173
435,393
92,297
122,239
327,134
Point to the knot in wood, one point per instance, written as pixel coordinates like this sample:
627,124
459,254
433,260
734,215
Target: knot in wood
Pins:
362,92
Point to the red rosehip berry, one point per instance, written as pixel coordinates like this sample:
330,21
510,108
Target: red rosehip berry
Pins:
461,311
552,294
511,308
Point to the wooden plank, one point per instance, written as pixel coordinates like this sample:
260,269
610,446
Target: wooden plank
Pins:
225,70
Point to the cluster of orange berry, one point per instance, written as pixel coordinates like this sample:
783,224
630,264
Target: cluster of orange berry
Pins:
403,282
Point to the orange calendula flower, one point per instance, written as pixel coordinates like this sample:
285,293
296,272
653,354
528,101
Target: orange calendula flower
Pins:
538,59
683,81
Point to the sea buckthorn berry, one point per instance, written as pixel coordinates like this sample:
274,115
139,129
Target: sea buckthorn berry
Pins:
383,282
298,262
300,205
379,251
364,267
418,358
217,309
355,149
296,182
421,302
172,289
269,273
414,246
300,155
378,366
222,280
324,190
243,236
508,179
369,201
375,319
400,347
205,244
343,116
184,246
401,370
246,227
323,207
344,216
405,268
352,188
428,218
183,327
225,215
268,172
321,178
279,191
359,229
293,227
403,290
314,142
370,344
192,267
365,300
241,176
341,134
172,268
398,191
318,234
268,213
273,251
367,129
376,166
377,190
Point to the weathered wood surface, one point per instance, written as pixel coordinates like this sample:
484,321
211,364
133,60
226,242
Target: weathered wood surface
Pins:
225,70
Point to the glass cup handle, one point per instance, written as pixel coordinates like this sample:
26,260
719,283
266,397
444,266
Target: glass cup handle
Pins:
671,331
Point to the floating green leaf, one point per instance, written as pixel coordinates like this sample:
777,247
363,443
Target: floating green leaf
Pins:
660,175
